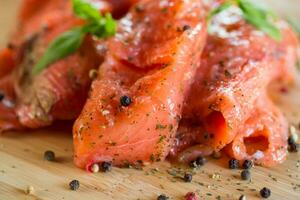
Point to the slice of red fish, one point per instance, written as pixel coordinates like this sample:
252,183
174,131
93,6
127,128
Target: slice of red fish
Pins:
263,138
7,61
59,92
237,65
8,117
152,59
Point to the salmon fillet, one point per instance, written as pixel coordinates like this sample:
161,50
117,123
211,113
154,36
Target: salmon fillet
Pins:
237,65
38,100
7,61
263,137
163,87
8,118
59,92
152,60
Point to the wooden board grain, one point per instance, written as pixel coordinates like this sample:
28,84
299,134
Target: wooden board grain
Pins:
8,10
22,164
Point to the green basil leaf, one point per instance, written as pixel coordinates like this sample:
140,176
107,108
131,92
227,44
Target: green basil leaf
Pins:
110,25
67,43
259,18
86,10
253,10
104,28
62,46
264,26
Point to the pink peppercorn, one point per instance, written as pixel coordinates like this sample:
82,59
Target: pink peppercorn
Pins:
191,196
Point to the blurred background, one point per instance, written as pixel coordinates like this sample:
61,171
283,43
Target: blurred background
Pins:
8,10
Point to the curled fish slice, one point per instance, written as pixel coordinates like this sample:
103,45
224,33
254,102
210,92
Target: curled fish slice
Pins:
152,60
237,65
263,138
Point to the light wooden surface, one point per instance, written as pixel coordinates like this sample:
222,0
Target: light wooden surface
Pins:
8,10
22,164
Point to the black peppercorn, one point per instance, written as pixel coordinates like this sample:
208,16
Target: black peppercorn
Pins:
188,177
294,148
245,174
162,197
125,100
291,140
74,185
233,164
106,166
1,95
200,161
248,164
193,164
49,155
186,27
265,193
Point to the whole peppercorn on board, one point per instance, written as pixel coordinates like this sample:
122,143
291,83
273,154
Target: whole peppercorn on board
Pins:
23,167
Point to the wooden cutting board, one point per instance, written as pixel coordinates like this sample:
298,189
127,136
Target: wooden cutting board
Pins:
22,164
